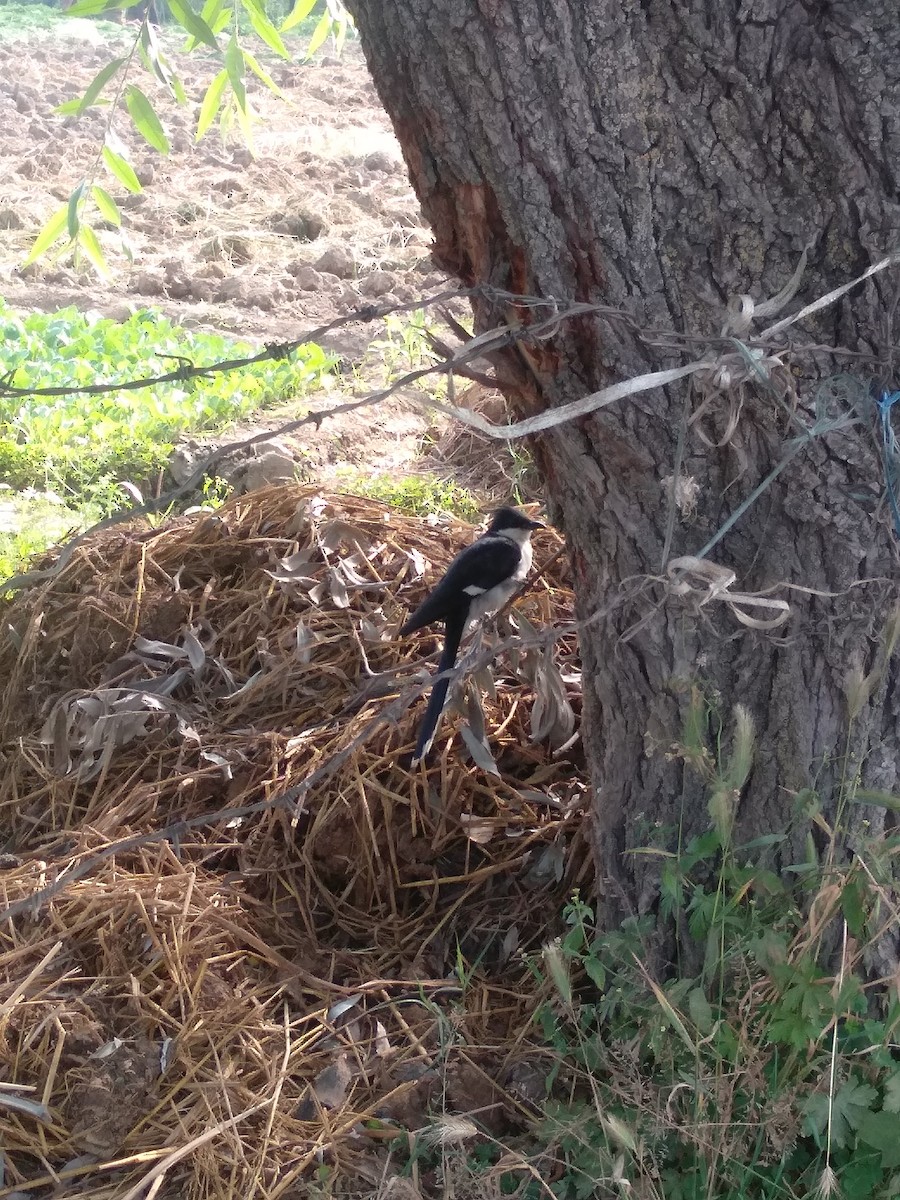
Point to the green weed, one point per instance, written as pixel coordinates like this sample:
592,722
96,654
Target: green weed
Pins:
405,346
81,446
30,522
25,20
81,449
418,495
770,1068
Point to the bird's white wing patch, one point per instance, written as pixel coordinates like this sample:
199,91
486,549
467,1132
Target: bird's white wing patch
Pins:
474,590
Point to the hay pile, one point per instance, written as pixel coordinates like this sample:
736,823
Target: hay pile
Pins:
260,920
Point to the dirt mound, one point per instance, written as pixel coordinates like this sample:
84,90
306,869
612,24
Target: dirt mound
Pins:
241,939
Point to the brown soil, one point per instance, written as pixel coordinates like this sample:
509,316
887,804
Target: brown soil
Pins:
319,221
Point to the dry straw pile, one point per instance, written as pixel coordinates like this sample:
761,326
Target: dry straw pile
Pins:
224,1003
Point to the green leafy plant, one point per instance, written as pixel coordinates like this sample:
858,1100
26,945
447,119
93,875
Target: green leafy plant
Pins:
418,495
83,446
30,521
766,1066
405,345
762,1059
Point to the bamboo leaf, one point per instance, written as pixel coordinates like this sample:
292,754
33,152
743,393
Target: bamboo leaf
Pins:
69,108
73,219
878,799
320,33
195,26
89,243
341,35
264,28
122,170
211,103
481,755
157,63
211,11
146,122
234,65
109,210
89,8
216,16
93,90
53,230
263,75
300,11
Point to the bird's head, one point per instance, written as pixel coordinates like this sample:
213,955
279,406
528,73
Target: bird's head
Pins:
512,523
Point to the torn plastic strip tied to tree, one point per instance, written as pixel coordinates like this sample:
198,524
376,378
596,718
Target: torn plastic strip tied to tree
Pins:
703,582
890,454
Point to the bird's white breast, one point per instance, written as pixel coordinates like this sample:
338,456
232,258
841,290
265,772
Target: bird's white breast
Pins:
496,597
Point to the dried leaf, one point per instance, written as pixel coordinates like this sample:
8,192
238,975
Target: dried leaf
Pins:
195,653
370,632
383,1046
336,532
96,723
330,1086
302,567
348,566
218,760
108,1049
155,649
548,865
304,640
165,685
338,589
419,564
509,945
475,714
552,717
31,1108
479,830
484,681
342,1006
481,755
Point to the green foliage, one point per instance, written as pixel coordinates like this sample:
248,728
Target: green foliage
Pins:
31,521
19,20
404,345
761,1073
83,445
418,495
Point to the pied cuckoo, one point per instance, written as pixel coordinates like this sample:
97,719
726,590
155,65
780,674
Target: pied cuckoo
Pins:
479,581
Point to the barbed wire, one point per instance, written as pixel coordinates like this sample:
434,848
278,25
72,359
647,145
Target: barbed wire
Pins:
727,359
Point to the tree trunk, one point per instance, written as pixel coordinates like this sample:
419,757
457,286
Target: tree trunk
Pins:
662,158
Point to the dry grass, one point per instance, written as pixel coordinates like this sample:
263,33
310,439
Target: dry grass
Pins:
502,471
227,1003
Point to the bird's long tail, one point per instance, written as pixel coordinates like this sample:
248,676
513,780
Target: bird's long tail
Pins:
452,637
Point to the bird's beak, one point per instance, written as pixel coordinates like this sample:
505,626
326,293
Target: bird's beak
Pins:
537,524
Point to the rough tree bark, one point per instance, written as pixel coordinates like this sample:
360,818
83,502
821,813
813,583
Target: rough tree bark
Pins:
663,156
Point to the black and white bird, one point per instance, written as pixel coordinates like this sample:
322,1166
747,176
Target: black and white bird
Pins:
479,581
